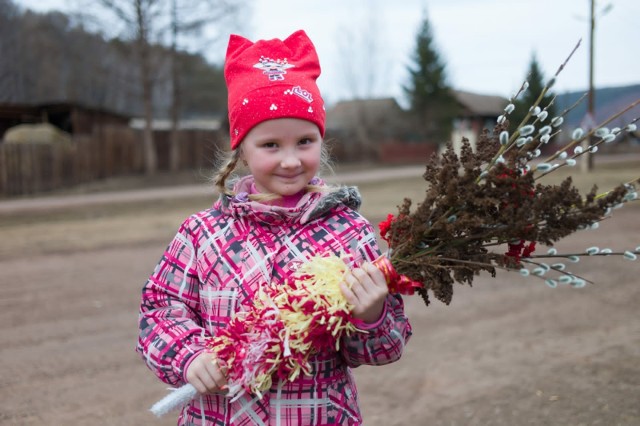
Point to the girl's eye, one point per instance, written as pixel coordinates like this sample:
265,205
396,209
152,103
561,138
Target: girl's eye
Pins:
269,145
305,141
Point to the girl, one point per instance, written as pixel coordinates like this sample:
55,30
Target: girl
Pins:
278,216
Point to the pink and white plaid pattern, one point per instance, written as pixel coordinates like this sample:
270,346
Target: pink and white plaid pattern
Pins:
214,266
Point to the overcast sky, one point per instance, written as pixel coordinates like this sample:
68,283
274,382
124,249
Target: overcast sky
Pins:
486,44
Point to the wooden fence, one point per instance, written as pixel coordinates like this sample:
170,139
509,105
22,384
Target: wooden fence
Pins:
29,168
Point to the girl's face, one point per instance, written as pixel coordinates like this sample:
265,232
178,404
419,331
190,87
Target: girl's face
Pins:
283,155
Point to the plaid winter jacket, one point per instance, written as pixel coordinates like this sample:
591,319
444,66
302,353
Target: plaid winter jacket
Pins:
213,267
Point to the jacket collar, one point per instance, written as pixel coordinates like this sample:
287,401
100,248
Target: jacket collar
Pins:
310,206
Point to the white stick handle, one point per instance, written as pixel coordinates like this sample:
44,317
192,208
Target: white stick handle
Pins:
177,398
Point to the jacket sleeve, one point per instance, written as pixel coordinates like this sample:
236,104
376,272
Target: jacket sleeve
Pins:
382,342
170,333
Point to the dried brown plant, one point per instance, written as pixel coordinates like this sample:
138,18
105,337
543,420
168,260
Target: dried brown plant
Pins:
480,202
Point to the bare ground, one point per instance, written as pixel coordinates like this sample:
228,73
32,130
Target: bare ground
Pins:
509,351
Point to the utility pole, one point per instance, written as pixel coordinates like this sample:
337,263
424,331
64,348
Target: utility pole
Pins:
586,164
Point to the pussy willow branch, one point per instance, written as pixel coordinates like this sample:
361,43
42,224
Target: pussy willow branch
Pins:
539,145
588,135
567,255
561,272
524,147
544,91
562,114
529,260
578,102
523,87
561,67
631,182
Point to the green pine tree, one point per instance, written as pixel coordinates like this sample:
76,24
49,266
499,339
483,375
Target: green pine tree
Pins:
523,103
431,101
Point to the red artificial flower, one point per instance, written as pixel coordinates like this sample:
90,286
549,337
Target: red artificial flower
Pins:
520,250
385,226
529,249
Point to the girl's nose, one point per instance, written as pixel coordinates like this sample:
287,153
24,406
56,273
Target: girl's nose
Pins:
289,161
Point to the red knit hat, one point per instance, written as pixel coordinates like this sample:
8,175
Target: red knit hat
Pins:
272,79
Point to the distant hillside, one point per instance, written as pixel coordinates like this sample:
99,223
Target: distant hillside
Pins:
608,101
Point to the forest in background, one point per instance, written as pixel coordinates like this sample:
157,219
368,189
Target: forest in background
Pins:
51,57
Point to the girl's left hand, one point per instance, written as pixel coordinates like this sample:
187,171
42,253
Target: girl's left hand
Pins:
366,289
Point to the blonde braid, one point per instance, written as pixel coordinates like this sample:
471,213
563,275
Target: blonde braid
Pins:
229,165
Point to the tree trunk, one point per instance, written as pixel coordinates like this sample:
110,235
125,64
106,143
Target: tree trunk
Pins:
174,152
150,158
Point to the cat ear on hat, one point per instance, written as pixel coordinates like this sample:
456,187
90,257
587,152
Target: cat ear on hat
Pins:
297,37
303,50
237,45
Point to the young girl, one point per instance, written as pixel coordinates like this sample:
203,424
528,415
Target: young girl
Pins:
278,216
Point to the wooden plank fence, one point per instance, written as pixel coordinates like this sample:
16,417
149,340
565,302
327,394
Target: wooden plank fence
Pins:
31,168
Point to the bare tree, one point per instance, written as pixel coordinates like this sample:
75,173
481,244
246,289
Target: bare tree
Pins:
190,18
142,19
360,43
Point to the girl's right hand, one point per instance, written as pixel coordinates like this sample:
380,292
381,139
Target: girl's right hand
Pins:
366,289
205,375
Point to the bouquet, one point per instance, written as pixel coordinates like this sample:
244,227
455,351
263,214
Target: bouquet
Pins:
284,327
484,210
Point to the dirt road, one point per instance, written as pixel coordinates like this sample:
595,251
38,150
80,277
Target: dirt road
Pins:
509,351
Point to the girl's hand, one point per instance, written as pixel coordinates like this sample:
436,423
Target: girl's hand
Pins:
205,375
366,289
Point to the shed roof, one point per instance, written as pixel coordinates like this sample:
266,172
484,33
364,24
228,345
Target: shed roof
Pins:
484,105
379,111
